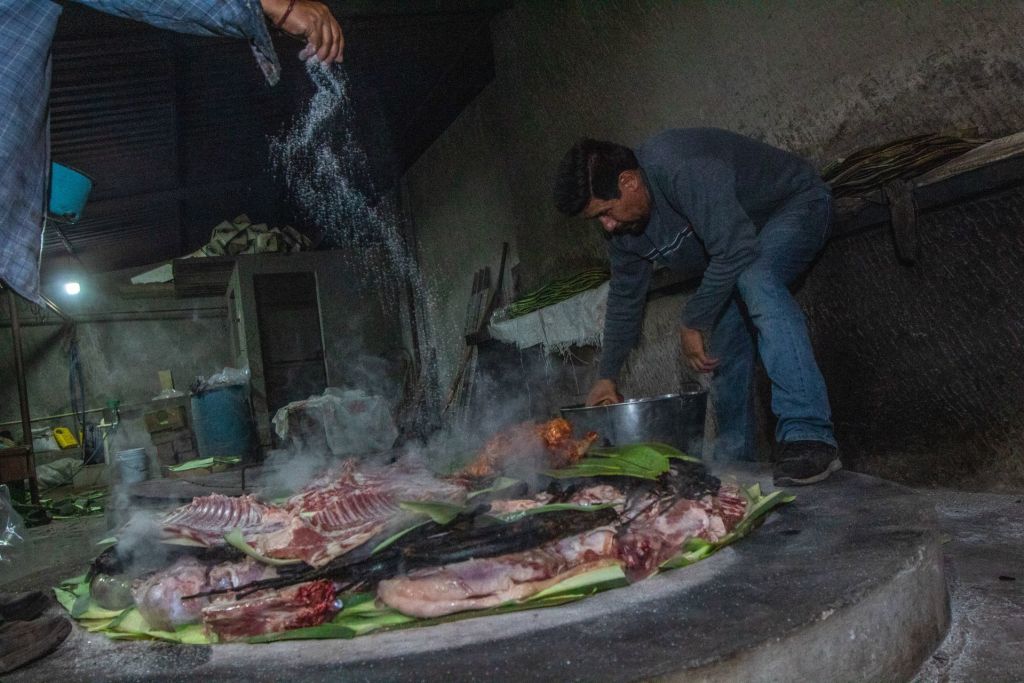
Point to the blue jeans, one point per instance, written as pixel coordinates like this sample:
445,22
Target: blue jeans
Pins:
764,312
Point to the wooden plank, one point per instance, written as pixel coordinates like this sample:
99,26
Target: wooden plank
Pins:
151,290
989,153
206,276
16,464
870,213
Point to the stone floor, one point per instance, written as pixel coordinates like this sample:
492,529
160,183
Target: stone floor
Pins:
983,545
982,541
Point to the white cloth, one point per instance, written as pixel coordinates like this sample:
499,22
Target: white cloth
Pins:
350,421
577,321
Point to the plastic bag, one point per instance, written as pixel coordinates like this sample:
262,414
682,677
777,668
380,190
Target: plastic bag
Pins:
225,378
12,529
168,393
343,421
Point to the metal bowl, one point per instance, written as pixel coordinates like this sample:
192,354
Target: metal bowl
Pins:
675,419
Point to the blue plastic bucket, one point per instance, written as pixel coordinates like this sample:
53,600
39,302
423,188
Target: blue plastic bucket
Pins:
69,191
223,422
133,465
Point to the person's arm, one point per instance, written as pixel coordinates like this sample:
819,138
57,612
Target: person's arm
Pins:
627,296
706,194
236,19
311,21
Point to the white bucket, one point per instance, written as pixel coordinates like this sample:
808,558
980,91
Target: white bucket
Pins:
133,465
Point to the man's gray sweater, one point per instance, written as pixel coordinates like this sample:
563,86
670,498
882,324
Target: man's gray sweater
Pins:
711,191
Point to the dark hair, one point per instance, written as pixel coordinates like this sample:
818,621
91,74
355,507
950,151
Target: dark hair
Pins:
591,168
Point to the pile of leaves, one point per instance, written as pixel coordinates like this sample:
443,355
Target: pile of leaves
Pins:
83,504
557,291
868,169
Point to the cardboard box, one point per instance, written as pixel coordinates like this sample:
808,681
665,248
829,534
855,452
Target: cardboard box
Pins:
16,463
166,419
174,447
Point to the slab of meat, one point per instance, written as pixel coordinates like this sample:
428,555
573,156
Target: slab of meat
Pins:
478,584
656,532
270,611
659,535
330,519
545,444
316,547
600,494
206,519
336,513
159,597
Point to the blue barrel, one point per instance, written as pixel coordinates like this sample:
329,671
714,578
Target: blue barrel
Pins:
223,422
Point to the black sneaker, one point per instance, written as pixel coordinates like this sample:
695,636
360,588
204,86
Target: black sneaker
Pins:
805,462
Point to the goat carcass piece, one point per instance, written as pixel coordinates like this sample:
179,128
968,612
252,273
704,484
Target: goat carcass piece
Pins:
599,494
658,535
206,519
269,611
159,597
478,584
338,512
549,444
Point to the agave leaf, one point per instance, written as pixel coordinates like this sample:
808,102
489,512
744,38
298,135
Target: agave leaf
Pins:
359,602
73,582
80,606
602,576
95,625
132,622
640,460
551,507
394,537
499,484
442,513
323,631
187,542
117,635
235,539
205,463
94,611
131,625
65,598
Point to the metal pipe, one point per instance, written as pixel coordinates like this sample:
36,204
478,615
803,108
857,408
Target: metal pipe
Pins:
55,308
44,418
121,408
19,371
136,316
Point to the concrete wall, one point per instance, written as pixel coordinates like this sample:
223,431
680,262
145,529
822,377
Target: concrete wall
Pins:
820,79
121,351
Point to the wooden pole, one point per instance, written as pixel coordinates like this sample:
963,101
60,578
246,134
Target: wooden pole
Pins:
19,370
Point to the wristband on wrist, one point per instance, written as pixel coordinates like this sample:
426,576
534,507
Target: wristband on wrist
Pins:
284,17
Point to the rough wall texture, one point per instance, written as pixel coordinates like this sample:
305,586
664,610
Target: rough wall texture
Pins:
820,79
119,360
463,210
923,363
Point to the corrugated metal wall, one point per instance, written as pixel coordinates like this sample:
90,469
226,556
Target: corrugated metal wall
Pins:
173,128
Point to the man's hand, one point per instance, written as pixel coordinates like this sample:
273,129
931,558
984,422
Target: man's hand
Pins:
693,350
312,21
603,392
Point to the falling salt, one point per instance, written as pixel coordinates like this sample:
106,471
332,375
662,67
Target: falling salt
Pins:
324,166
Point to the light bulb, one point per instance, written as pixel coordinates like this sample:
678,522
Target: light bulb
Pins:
72,288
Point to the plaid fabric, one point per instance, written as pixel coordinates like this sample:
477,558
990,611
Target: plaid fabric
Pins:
26,32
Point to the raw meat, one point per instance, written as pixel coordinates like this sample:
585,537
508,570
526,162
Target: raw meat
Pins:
269,611
159,597
477,584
